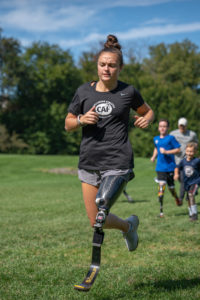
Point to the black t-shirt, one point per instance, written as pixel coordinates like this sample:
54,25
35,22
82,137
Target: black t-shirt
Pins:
105,145
191,172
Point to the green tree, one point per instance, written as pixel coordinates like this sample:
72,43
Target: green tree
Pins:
10,143
48,77
170,84
10,51
88,66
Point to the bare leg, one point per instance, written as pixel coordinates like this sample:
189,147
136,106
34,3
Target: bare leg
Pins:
112,221
89,196
191,199
192,204
174,194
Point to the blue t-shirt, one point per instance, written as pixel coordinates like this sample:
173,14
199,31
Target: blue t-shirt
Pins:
191,172
165,162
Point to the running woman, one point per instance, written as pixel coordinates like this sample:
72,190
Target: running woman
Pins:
101,108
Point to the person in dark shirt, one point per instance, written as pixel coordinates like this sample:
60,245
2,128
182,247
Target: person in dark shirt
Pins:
101,108
190,166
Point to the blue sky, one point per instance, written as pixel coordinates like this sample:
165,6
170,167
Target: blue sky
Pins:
79,25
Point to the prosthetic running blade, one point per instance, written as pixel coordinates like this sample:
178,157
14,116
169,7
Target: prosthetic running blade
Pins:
95,265
89,279
110,188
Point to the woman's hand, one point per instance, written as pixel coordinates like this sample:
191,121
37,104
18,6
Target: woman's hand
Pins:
141,122
146,116
90,117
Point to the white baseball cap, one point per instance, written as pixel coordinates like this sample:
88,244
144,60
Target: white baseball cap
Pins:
182,121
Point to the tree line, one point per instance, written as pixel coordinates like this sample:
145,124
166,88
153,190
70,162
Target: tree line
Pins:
37,84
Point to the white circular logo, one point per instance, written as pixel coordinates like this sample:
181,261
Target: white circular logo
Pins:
188,171
104,108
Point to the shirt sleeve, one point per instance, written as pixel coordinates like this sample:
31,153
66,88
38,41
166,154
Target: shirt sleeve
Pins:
75,106
175,143
137,100
154,141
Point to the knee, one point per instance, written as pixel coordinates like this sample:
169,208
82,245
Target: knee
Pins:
190,195
161,189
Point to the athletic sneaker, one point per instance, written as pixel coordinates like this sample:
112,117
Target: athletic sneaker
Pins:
194,217
179,202
131,237
161,215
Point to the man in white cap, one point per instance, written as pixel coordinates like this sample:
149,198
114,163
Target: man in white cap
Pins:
183,136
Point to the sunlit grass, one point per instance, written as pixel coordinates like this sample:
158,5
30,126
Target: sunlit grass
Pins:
45,244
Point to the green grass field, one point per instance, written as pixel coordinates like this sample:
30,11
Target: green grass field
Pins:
45,244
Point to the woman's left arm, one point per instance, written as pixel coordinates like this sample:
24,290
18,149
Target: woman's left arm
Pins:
146,116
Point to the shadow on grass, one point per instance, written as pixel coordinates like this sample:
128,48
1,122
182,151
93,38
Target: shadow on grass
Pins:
171,285
182,214
135,201
154,288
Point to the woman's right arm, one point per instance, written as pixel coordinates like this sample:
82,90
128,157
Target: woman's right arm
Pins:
72,123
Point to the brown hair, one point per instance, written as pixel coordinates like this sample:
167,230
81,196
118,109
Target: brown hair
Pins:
192,145
164,120
112,45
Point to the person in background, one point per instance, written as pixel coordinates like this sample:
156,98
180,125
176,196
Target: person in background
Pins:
183,136
190,168
165,148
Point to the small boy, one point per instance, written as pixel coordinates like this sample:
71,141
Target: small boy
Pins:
190,165
165,147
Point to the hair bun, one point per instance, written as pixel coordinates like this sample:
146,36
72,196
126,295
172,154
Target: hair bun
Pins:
112,42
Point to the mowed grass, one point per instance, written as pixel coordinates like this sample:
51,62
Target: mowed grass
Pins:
45,241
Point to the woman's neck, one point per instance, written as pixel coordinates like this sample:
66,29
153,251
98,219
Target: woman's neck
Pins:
105,87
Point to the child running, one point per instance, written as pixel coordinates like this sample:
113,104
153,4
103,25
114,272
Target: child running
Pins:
190,165
165,147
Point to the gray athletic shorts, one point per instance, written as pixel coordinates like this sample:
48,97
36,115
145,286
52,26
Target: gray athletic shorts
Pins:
95,177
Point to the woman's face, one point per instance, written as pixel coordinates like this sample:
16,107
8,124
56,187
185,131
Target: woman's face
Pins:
108,67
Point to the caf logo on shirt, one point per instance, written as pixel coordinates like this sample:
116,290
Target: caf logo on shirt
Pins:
104,108
188,171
